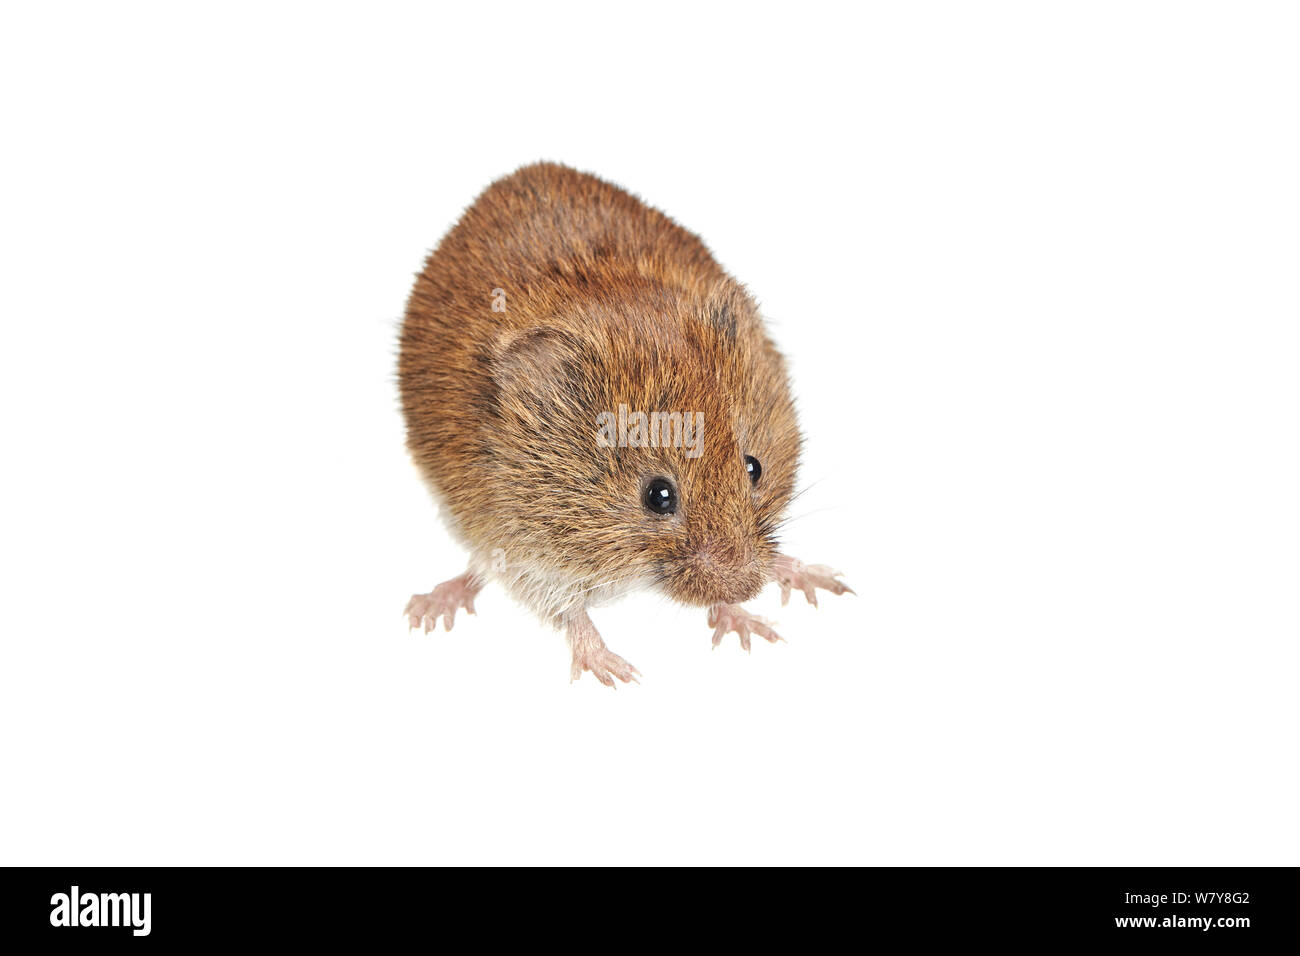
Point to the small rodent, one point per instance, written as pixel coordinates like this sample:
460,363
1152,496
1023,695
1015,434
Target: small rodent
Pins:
597,408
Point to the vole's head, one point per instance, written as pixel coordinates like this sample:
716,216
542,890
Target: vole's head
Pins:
652,443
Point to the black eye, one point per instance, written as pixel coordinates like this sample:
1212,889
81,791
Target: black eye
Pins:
754,468
660,496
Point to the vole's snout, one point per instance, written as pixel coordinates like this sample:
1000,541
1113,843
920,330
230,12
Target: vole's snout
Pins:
722,554
717,570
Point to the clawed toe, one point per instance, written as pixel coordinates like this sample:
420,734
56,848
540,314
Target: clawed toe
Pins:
606,668
724,618
591,654
423,610
792,573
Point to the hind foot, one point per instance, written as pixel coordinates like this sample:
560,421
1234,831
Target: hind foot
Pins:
591,654
443,601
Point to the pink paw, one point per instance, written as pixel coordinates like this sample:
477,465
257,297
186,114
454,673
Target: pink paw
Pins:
591,654
443,601
793,573
732,617
604,665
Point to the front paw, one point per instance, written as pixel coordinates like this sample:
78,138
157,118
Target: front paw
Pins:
793,573
732,617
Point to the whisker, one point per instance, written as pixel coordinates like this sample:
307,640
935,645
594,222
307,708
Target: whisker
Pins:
600,584
799,517
806,488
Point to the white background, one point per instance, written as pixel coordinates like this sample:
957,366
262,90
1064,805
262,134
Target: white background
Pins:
1035,266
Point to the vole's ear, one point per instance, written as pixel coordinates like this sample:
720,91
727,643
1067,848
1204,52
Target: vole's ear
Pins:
538,366
728,308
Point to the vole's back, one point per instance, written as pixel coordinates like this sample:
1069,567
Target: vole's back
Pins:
535,244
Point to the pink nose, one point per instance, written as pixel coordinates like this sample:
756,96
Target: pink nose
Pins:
723,553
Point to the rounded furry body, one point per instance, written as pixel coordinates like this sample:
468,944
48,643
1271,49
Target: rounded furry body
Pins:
601,303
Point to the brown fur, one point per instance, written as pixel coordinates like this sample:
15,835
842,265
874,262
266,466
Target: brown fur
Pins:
608,302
